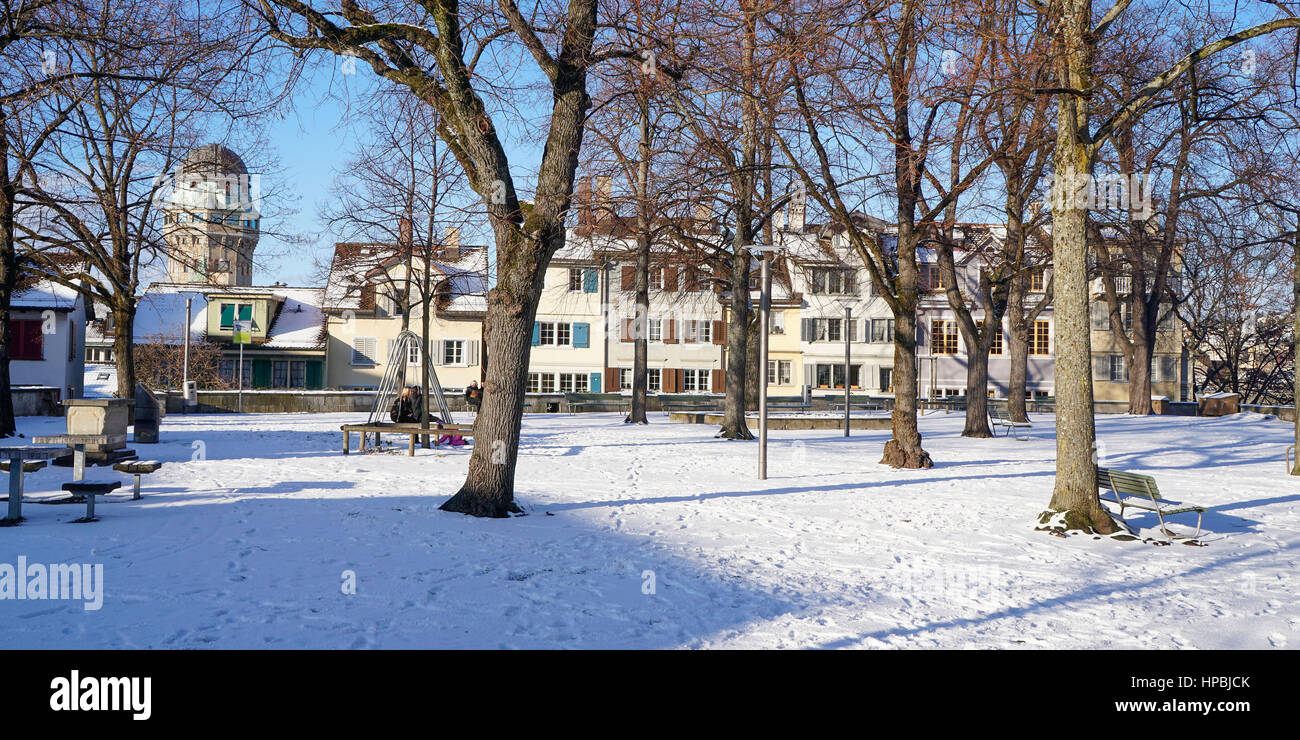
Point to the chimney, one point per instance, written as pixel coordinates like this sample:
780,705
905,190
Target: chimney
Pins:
798,205
404,233
703,217
583,201
604,199
451,243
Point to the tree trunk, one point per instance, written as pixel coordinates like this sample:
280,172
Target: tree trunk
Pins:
903,450
1075,494
1139,373
733,422
488,490
124,344
1018,350
8,278
1295,338
977,394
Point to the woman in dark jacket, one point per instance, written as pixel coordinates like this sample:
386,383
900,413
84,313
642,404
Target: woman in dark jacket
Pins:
474,396
407,407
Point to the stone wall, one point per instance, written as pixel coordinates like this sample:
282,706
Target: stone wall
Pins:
36,400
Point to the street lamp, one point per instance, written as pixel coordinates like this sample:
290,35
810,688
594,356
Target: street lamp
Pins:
764,310
846,330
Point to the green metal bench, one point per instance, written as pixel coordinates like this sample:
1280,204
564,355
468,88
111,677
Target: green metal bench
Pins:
1140,492
999,416
859,403
576,402
669,402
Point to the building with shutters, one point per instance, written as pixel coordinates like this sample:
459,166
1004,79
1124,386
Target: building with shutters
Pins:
47,333
366,296
211,219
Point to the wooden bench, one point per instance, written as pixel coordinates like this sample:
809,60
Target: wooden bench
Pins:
89,489
576,402
687,402
137,468
29,466
789,403
1140,492
411,429
999,416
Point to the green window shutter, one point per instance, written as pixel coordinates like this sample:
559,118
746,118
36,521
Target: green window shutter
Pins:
589,281
314,374
227,315
261,373
537,333
581,332
246,313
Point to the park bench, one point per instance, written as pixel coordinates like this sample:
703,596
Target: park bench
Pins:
999,416
1140,492
576,402
411,429
858,403
137,468
686,402
947,403
89,489
790,403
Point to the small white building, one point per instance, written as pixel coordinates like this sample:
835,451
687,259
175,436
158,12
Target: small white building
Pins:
47,338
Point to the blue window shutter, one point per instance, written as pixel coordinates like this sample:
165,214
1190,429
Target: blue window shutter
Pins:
594,386
589,282
580,334
537,333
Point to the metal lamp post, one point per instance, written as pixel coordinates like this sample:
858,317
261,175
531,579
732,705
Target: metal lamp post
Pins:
764,311
847,330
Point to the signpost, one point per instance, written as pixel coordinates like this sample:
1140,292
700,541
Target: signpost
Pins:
764,253
242,334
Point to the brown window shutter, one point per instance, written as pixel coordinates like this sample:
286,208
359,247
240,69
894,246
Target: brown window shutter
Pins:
611,380
629,278
670,279
719,332
719,381
691,280
670,331
627,331
669,380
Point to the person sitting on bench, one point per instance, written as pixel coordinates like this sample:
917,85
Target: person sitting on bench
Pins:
407,407
474,396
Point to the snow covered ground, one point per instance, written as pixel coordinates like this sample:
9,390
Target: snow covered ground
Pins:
244,536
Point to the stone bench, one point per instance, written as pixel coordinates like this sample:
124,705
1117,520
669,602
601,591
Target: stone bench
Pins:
29,466
137,468
90,489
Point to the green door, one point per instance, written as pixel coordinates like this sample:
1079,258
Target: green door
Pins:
261,373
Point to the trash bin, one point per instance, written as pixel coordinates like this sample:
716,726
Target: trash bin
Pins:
145,428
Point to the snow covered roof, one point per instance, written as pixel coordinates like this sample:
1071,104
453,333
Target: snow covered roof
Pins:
46,294
298,324
353,264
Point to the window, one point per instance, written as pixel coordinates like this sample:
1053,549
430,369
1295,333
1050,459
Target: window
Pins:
548,334
553,334
656,279
364,350
833,327
453,351
1118,372
882,330
654,379
228,312
534,382
563,335
1040,339
695,380
575,279
943,337
778,372
996,347
625,378
822,281
1038,280
547,382
297,374
832,375
25,340
280,374
887,379
413,354
573,382
705,331
776,322
931,279
656,331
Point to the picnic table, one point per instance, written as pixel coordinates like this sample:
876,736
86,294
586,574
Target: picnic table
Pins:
78,444
412,429
16,454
